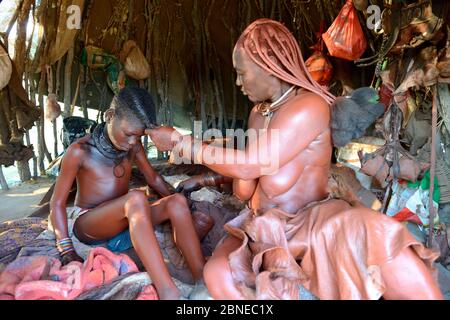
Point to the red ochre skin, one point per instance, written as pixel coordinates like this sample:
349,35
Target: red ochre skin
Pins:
113,207
304,156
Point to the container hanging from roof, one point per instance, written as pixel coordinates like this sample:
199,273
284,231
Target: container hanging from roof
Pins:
345,37
136,65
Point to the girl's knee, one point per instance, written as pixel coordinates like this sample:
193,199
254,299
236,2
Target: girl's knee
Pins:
177,206
178,199
135,206
136,197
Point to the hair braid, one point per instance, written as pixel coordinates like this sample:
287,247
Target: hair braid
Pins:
137,101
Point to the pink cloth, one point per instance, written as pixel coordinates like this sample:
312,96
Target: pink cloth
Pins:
148,293
43,278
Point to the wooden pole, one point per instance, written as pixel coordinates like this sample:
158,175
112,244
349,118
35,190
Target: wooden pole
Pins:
23,167
83,97
67,82
433,167
55,137
35,170
3,182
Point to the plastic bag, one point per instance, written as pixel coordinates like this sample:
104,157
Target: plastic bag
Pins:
318,64
96,58
345,38
320,68
416,209
136,65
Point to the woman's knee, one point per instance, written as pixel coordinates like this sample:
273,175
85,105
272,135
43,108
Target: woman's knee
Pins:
219,280
215,268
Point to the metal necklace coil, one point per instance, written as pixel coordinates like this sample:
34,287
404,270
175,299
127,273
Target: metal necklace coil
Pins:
103,144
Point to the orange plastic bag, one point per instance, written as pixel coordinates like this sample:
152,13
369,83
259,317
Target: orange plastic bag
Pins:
317,64
345,38
320,68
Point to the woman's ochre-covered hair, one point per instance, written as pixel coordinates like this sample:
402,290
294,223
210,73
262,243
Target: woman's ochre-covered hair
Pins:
273,47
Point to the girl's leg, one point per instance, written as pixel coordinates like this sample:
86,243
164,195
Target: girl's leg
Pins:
175,209
133,210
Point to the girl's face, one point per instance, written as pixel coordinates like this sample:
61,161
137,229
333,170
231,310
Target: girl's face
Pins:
124,133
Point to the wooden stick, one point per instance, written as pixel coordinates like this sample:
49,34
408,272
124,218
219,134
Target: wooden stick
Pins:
67,82
433,167
55,138
3,182
75,97
35,170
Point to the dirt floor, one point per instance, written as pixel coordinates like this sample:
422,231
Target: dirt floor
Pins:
21,200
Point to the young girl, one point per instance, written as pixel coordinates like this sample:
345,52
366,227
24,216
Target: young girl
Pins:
104,207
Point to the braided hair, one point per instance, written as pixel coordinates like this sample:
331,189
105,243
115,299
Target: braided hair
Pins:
273,47
136,102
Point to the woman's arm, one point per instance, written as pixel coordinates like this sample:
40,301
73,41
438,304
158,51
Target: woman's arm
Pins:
293,131
244,189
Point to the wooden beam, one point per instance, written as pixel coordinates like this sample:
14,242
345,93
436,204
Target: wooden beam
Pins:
3,182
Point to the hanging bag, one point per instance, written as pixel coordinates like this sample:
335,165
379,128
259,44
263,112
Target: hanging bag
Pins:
136,65
318,65
345,38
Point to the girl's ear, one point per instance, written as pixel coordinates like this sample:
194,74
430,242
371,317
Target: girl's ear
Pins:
109,115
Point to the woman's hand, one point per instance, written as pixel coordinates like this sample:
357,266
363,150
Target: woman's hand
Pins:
164,138
69,257
190,185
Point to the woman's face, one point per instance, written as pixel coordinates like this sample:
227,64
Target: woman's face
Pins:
124,133
255,82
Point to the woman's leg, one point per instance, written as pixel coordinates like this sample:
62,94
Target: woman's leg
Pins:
175,209
407,278
218,278
133,210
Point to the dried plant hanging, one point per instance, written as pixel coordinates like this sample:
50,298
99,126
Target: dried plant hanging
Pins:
117,25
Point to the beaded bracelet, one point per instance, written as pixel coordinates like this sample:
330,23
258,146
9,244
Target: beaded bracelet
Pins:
64,246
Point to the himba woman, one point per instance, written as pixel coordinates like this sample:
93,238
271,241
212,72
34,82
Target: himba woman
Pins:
293,233
101,164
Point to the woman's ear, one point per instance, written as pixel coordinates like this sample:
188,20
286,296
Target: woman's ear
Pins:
109,114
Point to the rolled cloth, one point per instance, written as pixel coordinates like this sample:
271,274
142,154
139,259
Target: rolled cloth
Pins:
331,248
